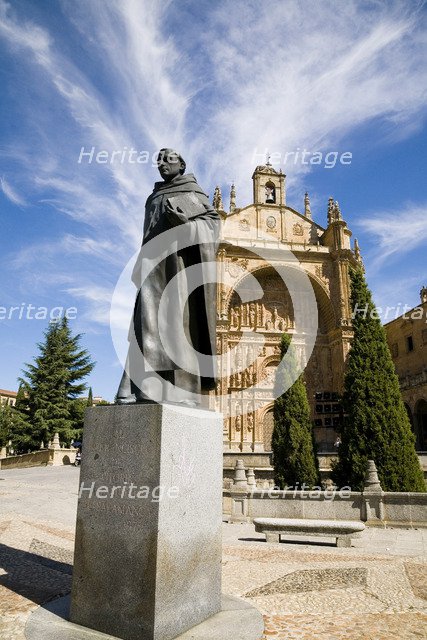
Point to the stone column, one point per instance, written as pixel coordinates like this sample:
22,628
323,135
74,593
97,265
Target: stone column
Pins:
148,538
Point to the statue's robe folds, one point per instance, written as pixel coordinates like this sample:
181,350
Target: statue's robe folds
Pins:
193,315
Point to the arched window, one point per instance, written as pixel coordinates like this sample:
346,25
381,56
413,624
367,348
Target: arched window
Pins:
270,193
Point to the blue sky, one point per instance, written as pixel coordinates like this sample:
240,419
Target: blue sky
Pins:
220,81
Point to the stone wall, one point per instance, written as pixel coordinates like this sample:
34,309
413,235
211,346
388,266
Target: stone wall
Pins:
376,508
42,458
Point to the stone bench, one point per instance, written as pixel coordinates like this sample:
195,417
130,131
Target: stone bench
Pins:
342,530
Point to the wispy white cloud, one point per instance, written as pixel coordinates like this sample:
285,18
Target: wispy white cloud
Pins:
243,76
304,75
395,233
11,193
99,299
47,253
394,295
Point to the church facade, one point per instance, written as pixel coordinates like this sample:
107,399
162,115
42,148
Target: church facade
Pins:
255,242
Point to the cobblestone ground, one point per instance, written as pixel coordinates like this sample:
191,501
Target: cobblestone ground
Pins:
309,595
377,590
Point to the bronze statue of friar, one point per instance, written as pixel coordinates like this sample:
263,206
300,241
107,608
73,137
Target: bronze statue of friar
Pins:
172,337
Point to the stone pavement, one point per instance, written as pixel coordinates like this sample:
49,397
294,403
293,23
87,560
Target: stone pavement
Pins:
377,590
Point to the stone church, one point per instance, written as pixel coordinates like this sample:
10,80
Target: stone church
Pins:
269,226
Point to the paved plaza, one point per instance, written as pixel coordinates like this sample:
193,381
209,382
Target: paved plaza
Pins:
376,590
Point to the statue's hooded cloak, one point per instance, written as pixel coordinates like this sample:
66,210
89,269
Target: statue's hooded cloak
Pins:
199,315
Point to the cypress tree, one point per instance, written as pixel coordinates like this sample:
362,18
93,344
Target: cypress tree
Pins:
294,457
376,425
54,381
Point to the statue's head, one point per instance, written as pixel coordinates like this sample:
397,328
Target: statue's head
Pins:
170,164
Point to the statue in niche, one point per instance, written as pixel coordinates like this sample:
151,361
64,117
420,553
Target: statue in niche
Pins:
249,375
274,317
250,422
252,315
151,373
238,316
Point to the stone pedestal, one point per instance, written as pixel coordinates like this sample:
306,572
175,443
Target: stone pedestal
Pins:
147,562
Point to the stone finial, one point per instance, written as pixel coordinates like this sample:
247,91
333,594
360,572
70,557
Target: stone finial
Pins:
55,442
372,481
337,210
3,452
356,250
307,208
217,200
334,211
240,475
423,294
232,198
330,210
42,445
251,478
357,253
49,444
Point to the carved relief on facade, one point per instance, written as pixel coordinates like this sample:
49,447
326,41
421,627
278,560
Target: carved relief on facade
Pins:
268,375
275,321
235,266
249,315
318,373
271,224
321,272
244,224
298,229
243,366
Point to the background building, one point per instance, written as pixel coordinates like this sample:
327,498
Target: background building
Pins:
8,397
407,339
325,253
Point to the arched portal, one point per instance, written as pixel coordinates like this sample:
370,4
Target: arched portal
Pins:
269,318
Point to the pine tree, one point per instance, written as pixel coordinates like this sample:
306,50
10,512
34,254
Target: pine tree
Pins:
54,381
77,415
294,457
14,426
21,402
4,424
376,425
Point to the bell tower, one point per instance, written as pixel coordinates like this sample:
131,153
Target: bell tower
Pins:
269,185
